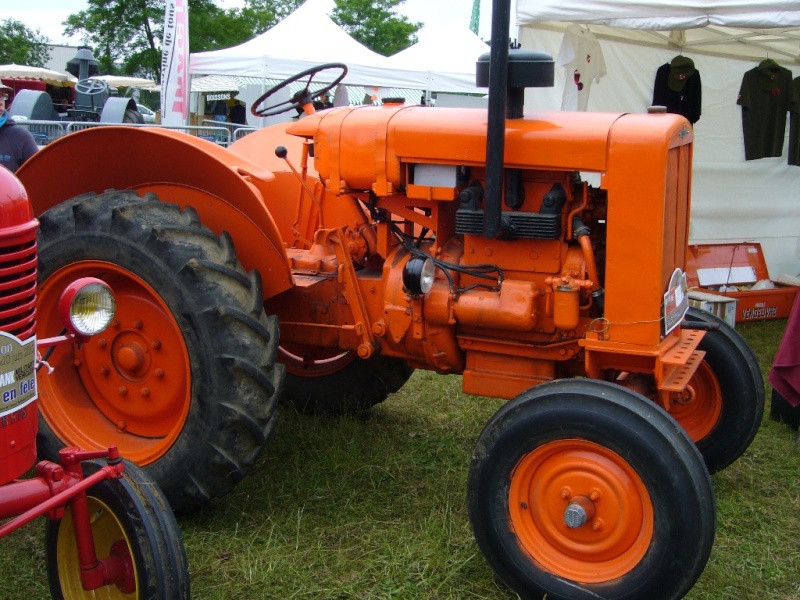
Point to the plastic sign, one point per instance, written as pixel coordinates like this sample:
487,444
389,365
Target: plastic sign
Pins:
676,301
17,373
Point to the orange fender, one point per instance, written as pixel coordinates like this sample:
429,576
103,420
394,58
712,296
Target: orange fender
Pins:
226,189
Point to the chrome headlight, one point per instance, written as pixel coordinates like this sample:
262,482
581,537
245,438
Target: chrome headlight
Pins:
87,306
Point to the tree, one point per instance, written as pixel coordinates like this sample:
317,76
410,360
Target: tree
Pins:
21,45
263,14
126,35
375,24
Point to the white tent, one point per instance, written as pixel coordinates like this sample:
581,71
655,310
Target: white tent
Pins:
26,72
304,39
733,200
123,81
307,38
215,83
449,55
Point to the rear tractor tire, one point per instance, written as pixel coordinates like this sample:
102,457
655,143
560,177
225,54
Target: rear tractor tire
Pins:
185,381
335,383
583,489
132,525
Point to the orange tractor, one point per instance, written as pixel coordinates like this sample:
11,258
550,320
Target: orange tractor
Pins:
319,262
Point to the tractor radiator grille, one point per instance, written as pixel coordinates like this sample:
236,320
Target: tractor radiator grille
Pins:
18,281
515,224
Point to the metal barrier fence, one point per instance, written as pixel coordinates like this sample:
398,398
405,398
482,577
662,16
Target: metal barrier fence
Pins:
45,132
237,131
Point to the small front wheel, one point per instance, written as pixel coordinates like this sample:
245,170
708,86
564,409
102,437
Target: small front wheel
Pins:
723,411
584,489
132,524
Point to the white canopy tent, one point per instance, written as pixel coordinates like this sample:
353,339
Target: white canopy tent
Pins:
215,83
49,76
733,200
307,38
124,81
304,39
448,54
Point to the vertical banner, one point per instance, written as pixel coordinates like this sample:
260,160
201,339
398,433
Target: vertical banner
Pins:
175,64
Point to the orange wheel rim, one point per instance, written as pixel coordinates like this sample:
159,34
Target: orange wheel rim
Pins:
557,476
130,385
699,408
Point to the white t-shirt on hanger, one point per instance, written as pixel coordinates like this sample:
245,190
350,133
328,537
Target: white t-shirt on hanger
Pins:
583,62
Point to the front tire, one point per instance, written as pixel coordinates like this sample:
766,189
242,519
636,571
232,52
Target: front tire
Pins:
635,475
724,411
184,382
130,521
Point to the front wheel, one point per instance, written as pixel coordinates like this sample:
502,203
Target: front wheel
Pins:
583,489
724,403
133,526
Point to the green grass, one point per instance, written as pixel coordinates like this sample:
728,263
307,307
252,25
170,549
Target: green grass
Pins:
374,507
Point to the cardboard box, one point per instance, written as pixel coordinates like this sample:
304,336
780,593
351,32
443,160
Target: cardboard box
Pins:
723,307
710,267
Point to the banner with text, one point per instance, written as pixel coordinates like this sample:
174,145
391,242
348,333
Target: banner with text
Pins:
175,64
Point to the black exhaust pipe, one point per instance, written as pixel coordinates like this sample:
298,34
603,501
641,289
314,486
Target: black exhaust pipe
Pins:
495,135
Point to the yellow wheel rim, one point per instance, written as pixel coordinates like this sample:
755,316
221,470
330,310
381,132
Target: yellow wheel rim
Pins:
107,531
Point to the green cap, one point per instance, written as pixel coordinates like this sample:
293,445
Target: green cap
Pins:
680,69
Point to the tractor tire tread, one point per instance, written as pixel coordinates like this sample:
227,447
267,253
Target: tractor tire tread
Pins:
223,302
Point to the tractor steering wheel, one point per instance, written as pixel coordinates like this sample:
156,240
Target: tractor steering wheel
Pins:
301,98
91,87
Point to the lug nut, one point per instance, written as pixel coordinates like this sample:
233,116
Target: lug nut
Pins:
579,511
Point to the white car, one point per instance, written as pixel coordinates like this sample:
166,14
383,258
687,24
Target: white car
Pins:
148,115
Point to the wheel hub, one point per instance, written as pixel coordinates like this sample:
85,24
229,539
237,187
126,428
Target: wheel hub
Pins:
131,367
131,359
579,511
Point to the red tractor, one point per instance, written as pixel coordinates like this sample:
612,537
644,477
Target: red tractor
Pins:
319,262
109,530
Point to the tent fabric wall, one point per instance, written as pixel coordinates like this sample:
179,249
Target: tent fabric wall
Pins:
733,200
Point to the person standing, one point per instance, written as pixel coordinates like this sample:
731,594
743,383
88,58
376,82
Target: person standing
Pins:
324,102
16,143
220,111
238,113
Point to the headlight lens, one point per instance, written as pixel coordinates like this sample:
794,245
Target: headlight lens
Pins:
88,306
418,275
